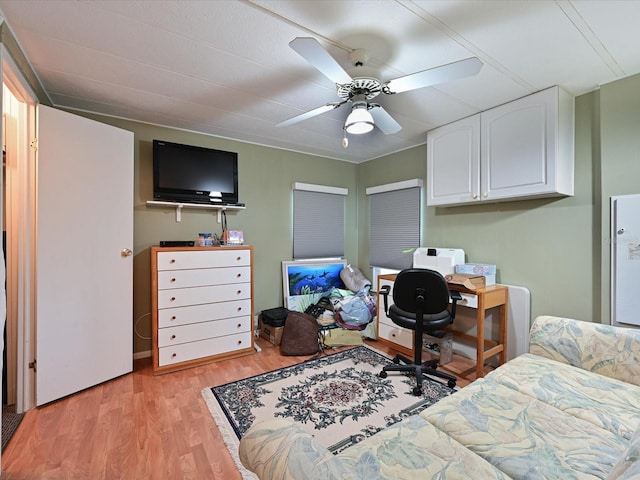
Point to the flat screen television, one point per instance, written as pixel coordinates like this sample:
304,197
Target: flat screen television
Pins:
186,173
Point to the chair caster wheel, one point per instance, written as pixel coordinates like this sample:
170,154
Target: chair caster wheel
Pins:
417,391
451,383
396,360
382,374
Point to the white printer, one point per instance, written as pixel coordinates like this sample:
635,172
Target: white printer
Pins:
442,260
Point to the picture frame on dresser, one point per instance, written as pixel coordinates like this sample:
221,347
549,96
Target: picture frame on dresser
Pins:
305,281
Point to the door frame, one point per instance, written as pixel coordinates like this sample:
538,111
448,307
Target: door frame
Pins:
21,232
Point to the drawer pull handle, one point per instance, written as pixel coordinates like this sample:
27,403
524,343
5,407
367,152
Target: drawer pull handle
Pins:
393,334
239,342
173,280
239,325
238,275
173,260
173,299
173,318
238,258
174,355
239,309
173,337
239,292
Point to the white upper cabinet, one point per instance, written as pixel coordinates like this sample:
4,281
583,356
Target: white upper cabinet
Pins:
453,174
523,149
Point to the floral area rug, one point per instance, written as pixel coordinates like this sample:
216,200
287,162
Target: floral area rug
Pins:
338,398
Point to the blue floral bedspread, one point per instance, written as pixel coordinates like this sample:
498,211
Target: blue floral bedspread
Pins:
570,409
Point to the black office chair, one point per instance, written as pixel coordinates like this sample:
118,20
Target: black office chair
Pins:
421,302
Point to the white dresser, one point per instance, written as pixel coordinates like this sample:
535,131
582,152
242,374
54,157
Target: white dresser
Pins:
201,304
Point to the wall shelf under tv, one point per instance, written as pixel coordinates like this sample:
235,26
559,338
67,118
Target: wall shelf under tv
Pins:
179,206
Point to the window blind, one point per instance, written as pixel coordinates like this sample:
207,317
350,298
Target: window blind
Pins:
394,226
318,224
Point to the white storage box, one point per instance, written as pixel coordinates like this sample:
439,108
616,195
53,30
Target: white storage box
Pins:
444,260
476,268
439,344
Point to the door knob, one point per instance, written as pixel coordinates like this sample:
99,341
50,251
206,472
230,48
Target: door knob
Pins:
125,252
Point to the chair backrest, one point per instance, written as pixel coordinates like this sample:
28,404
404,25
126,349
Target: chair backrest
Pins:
432,283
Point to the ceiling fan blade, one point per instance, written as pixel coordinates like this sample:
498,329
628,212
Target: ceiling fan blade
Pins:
311,50
311,113
384,121
433,76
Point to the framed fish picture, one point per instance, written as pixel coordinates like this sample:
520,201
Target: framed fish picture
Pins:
305,281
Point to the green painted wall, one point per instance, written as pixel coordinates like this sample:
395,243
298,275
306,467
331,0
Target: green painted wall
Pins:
558,248
544,245
620,172
265,179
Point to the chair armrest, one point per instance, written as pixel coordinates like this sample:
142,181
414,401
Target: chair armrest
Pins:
604,349
455,298
384,291
280,449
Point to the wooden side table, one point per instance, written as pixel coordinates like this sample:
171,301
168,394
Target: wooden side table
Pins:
482,300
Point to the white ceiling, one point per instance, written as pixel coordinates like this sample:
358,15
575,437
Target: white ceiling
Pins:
225,67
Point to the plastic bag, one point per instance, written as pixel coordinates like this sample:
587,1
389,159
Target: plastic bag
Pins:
354,280
353,312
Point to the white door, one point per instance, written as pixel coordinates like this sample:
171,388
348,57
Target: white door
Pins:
84,268
625,260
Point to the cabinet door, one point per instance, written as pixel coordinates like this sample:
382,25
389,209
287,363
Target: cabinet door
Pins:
453,162
519,147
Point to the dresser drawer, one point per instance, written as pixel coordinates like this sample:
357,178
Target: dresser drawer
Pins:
170,317
179,297
203,330
203,259
203,276
203,348
398,335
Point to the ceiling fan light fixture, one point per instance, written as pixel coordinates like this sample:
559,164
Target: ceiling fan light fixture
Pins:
359,121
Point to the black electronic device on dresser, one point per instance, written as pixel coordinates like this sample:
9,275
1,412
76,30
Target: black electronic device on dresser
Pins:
191,174
177,243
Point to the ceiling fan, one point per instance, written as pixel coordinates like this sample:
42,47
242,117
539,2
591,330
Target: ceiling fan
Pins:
361,84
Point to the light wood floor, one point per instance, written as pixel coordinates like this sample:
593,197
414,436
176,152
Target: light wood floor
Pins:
141,426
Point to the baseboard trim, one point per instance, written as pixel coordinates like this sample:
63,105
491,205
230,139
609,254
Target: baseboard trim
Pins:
139,355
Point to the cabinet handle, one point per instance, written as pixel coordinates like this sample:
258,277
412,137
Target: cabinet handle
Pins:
239,292
393,334
173,337
173,318
173,280
239,309
238,259
173,260
474,196
239,325
238,275
174,355
239,342
485,194
173,299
